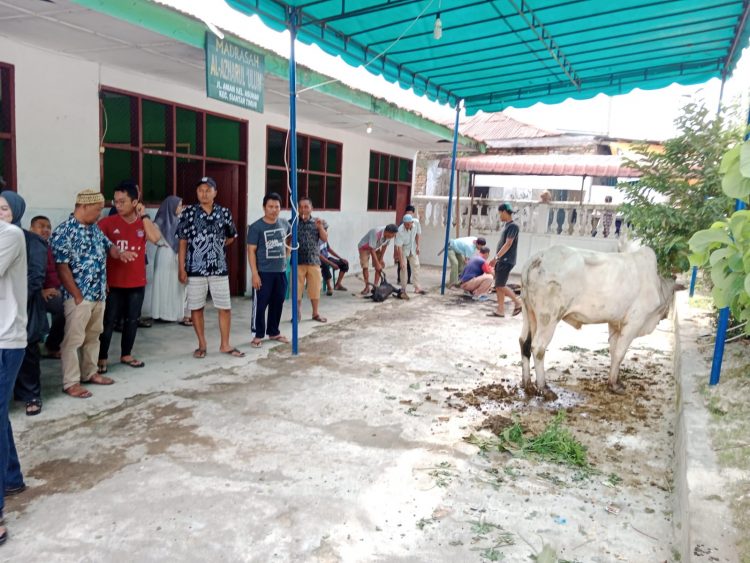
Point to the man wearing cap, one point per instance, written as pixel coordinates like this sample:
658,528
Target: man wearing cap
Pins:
504,260
81,249
407,252
128,229
410,210
205,229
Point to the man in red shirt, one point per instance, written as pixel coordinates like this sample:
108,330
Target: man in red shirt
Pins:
128,230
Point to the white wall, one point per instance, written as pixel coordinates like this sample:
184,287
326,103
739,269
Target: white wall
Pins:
57,138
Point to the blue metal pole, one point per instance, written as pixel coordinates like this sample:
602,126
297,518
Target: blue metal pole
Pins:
293,23
693,278
450,198
723,324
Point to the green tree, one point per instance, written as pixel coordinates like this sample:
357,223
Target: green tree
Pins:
679,191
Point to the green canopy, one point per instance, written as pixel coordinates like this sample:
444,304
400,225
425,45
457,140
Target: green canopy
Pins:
495,54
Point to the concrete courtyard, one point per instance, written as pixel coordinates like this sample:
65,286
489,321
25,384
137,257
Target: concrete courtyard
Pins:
352,451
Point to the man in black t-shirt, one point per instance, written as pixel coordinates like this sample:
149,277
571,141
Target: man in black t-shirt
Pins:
504,260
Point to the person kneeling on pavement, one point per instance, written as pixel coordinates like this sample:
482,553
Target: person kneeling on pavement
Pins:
477,277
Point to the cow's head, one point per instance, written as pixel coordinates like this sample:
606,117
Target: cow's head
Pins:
667,288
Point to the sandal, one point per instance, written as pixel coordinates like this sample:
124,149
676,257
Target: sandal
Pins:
517,310
77,391
320,319
256,342
340,288
185,322
99,379
102,369
4,535
133,363
420,292
495,314
279,338
33,408
329,292
11,491
199,353
234,353
145,323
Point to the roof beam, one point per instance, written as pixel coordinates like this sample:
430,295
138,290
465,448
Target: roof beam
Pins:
736,40
537,27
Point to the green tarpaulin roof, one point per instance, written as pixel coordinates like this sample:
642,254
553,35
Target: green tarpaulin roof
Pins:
495,54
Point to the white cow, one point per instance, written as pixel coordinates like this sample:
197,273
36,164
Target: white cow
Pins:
586,287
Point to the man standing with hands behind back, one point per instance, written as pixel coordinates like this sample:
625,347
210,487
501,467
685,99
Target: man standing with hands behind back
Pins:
504,260
205,230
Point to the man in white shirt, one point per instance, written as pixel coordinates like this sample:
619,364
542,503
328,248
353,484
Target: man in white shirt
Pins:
13,296
407,252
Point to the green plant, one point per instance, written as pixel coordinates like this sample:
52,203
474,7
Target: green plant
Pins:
724,247
680,186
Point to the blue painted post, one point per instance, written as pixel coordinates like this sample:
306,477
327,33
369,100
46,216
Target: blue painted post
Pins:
293,14
693,278
723,324
450,197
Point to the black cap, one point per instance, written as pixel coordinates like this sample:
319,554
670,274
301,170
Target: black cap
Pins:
208,181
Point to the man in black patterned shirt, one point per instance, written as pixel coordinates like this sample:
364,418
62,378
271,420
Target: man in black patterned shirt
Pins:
311,232
205,230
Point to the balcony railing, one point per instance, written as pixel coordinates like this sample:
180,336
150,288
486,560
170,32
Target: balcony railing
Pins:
566,219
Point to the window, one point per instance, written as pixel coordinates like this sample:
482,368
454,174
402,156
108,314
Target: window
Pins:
387,174
7,127
163,146
318,169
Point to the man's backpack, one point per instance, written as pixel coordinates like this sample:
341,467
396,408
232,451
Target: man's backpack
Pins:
383,291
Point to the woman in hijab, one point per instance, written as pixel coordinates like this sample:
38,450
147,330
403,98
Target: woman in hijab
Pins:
168,294
28,382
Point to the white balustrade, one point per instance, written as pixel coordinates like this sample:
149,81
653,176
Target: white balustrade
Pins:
557,218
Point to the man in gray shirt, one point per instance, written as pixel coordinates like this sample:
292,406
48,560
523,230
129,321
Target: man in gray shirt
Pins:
267,254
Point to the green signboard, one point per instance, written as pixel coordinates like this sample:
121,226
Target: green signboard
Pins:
234,74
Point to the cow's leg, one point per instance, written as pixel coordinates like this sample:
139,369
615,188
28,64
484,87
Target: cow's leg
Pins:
525,342
540,341
620,338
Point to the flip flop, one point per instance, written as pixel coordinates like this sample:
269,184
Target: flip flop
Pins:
102,369
420,292
199,353
256,343
279,338
320,319
495,314
340,288
33,408
517,310
184,322
99,379
133,363
77,391
234,353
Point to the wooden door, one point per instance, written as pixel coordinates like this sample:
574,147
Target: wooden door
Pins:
227,178
403,196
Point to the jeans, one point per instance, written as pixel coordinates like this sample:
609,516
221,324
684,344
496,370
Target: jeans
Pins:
270,295
57,329
122,303
10,473
28,382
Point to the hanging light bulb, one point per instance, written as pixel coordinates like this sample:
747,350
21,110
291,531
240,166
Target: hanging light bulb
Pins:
369,127
437,32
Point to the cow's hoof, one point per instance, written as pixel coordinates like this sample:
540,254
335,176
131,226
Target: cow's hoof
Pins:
618,388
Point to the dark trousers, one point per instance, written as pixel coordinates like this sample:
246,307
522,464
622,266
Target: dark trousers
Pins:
28,382
122,303
10,468
57,329
270,296
398,272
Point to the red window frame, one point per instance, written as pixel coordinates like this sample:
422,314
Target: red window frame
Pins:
330,180
8,110
384,178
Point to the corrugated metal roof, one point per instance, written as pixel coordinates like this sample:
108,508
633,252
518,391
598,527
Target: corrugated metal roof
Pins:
488,126
544,165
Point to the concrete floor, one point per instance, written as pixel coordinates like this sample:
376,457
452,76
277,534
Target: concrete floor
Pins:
326,456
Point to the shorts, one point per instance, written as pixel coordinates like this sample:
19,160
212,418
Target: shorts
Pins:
340,264
199,286
311,274
364,259
502,272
